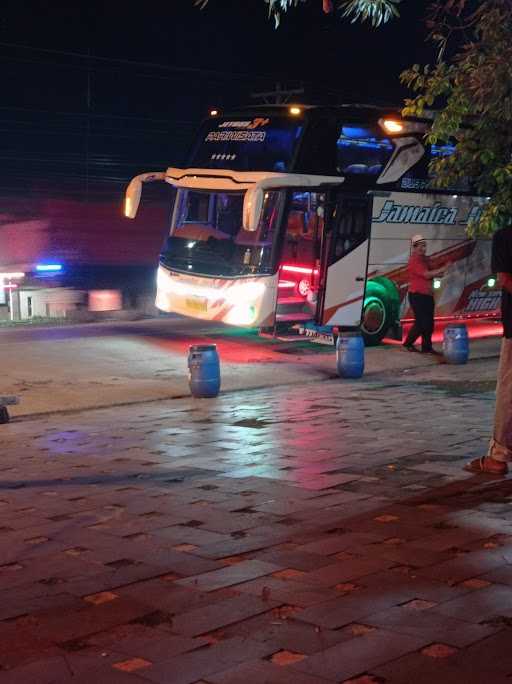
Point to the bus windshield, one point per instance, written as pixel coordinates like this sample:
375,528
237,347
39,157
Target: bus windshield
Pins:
247,144
207,236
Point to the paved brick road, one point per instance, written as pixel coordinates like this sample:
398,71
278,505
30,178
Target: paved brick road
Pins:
317,534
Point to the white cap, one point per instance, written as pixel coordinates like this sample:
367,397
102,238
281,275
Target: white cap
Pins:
417,238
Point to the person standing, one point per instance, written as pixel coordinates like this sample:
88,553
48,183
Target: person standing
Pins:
421,298
500,447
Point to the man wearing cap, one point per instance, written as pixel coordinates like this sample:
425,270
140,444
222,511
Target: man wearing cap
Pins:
421,298
500,448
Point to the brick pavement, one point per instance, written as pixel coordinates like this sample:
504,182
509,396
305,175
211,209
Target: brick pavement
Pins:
317,534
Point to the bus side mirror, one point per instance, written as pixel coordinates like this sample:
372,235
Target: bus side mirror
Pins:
408,151
134,190
132,198
253,204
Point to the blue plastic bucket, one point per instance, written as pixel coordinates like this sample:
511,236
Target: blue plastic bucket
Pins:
350,355
204,370
456,343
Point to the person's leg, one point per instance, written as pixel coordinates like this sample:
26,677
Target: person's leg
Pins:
427,323
500,447
414,331
420,309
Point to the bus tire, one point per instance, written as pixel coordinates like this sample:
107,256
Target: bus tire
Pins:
377,315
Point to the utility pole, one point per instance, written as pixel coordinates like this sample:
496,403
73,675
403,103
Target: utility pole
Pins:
279,95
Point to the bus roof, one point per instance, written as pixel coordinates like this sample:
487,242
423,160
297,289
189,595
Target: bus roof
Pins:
356,112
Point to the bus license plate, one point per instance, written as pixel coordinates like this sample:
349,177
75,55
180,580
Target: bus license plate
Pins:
197,303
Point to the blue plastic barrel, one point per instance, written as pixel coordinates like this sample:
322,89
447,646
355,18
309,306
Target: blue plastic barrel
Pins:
204,370
456,343
350,355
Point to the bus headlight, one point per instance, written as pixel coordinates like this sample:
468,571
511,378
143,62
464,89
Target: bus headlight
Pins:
242,314
162,280
243,293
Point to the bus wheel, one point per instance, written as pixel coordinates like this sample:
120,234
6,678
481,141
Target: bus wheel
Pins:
377,316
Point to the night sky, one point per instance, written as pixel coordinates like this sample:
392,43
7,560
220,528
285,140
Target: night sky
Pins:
229,37
94,93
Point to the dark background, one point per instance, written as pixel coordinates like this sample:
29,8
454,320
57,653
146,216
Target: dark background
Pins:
94,93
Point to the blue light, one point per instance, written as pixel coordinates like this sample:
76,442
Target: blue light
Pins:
48,267
355,132
368,143
442,150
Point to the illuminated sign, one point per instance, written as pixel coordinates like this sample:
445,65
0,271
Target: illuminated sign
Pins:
255,123
243,131
236,136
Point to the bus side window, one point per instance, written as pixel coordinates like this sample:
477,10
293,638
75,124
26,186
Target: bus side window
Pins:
462,184
362,150
419,177
351,227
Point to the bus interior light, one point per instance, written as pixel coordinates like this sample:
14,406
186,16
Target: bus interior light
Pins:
291,268
393,126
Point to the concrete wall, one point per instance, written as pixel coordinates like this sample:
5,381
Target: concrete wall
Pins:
76,305
50,303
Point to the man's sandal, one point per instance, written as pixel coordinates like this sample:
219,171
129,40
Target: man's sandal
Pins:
483,465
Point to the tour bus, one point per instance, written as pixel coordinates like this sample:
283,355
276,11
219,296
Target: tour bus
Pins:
297,215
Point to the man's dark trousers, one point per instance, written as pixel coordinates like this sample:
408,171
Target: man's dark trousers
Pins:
423,308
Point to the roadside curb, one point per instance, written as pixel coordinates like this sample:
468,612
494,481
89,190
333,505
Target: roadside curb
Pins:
369,381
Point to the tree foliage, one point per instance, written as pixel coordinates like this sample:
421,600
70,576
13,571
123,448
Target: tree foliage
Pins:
469,86
376,11
472,91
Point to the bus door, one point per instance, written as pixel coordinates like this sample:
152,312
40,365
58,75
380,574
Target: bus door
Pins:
344,260
299,267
